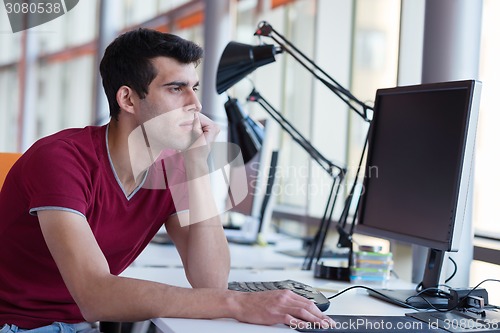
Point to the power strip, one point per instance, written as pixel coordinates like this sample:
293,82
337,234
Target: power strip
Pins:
467,298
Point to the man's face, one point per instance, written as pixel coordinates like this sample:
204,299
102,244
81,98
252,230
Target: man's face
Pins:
167,111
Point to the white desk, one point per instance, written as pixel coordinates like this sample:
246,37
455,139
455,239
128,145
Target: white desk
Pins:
352,302
242,256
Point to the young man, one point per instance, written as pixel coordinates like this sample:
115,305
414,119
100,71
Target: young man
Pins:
75,212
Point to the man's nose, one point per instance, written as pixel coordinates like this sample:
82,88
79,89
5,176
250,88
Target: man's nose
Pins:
195,102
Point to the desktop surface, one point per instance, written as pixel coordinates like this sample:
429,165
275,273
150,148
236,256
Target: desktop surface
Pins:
353,303
243,256
161,263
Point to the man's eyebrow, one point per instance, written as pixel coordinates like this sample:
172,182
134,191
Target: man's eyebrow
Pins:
179,84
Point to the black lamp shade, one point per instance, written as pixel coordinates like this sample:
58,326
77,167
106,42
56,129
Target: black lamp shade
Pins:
243,130
238,60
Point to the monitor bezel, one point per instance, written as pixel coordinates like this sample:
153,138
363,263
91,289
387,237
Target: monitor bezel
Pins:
463,175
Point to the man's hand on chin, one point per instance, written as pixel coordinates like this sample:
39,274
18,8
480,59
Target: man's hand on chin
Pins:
204,133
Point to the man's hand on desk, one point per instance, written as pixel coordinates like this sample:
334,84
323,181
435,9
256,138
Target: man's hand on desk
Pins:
276,307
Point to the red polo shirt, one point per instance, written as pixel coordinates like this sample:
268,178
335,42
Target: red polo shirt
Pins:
68,170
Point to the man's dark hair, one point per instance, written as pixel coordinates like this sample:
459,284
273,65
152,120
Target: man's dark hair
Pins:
127,61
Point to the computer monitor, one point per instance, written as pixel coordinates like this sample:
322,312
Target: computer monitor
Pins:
418,170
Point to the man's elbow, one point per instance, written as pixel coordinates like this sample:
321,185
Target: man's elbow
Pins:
90,315
90,312
92,303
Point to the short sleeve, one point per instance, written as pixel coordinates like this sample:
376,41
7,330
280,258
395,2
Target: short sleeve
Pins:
58,175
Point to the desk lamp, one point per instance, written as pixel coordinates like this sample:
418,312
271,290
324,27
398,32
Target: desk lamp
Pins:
237,61
243,130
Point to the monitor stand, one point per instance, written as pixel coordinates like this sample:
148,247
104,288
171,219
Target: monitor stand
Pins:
409,298
424,300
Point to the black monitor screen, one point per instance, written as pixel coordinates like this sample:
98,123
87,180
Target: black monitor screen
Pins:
414,163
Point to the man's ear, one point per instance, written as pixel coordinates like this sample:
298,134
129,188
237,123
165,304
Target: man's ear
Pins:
125,99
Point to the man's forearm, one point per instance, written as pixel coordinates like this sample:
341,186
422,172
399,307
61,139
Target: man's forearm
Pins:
145,299
208,259
113,298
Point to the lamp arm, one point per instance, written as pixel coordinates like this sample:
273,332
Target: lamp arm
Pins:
266,30
345,237
363,154
326,164
316,248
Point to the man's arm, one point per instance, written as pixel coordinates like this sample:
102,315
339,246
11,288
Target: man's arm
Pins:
203,250
199,235
103,296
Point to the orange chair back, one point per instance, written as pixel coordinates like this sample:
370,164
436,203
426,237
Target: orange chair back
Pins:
7,160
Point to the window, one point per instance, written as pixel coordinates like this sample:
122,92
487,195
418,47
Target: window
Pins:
356,42
59,89
9,87
487,177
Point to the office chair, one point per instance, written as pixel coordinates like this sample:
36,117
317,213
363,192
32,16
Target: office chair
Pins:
110,327
7,160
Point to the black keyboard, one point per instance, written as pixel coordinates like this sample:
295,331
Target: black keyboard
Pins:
299,288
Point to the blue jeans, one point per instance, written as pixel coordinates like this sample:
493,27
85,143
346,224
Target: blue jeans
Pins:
55,327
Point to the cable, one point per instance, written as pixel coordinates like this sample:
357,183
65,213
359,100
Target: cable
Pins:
454,270
378,293
480,283
474,288
437,292
420,285
441,293
393,272
466,295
